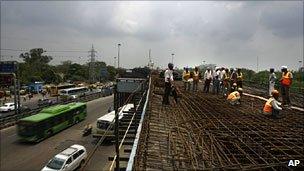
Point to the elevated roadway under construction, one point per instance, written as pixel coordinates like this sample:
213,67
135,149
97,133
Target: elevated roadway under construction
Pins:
204,132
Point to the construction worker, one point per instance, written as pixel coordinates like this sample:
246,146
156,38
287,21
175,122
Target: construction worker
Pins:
239,78
286,81
272,79
233,76
216,81
272,106
233,87
186,76
195,78
208,79
226,80
169,85
234,98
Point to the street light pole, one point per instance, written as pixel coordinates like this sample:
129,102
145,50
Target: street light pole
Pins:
114,61
118,54
172,57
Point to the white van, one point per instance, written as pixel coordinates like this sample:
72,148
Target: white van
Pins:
104,122
69,159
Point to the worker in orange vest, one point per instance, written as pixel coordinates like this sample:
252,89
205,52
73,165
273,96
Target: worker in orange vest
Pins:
272,106
286,81
234,98
196,75
186,76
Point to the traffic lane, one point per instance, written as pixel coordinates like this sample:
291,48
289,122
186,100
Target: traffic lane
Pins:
24,156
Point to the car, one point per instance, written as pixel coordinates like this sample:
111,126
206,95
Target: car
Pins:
69,159
7,107
45,102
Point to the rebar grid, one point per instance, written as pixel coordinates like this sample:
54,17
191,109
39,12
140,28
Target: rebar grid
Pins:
203,132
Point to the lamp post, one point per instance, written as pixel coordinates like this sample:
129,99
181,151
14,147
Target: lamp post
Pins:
172,55
118,55
115,61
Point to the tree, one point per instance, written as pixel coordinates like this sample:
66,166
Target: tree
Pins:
35,67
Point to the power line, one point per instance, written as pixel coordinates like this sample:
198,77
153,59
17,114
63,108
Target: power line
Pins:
47,50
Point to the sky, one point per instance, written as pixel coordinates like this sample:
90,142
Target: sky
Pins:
248,34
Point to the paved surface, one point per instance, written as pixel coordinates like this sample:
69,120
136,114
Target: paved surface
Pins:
21,156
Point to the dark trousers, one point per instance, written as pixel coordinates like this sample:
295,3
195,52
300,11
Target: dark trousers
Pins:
285,95
168,90
239,84
207,85
275,113
216,86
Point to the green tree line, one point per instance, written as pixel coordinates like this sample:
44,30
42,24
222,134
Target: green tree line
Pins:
36,67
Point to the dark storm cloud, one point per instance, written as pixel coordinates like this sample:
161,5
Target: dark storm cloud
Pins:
286,22
227,33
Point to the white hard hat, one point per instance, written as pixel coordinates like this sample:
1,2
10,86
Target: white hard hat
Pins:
284,67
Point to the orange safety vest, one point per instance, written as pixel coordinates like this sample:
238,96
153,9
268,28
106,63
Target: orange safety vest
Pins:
195,75
186,75
268,107
233,95
239,77
286,79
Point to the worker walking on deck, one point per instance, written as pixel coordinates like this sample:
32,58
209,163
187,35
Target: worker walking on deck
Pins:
195,78
286,81
186,76
239,78
272,79
233,76
169,85
272,106
234,98
208,79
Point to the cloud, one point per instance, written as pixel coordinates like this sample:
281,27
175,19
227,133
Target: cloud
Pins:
227,33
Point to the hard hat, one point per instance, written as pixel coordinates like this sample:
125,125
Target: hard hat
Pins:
275,93
234,84
284,67
240,89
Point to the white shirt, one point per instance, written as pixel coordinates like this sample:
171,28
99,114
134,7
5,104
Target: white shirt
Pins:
168,75
208,75
222,74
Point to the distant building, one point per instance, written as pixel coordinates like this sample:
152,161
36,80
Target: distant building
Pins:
35,87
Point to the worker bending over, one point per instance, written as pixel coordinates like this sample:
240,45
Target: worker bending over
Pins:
272,106
234,98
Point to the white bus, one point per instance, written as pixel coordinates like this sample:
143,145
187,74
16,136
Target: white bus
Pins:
74,92
104,122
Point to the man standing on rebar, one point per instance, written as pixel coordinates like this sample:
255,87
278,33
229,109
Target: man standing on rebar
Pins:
208,79
186,76
195,78
233,76
226,79
272,106
272,79
169,85
216,81
286,81
239,78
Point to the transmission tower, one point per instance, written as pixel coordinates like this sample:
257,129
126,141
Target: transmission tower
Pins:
92,73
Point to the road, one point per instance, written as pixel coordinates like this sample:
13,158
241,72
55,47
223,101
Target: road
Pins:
23,156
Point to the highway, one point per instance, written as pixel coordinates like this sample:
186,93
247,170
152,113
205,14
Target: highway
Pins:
23,156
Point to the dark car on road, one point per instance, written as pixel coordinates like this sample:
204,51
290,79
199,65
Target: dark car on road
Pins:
45,102
106,91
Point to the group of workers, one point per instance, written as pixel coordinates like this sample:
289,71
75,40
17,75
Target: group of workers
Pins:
222,79
230,84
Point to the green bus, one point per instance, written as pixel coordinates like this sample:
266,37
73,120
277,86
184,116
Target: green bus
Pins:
50,121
